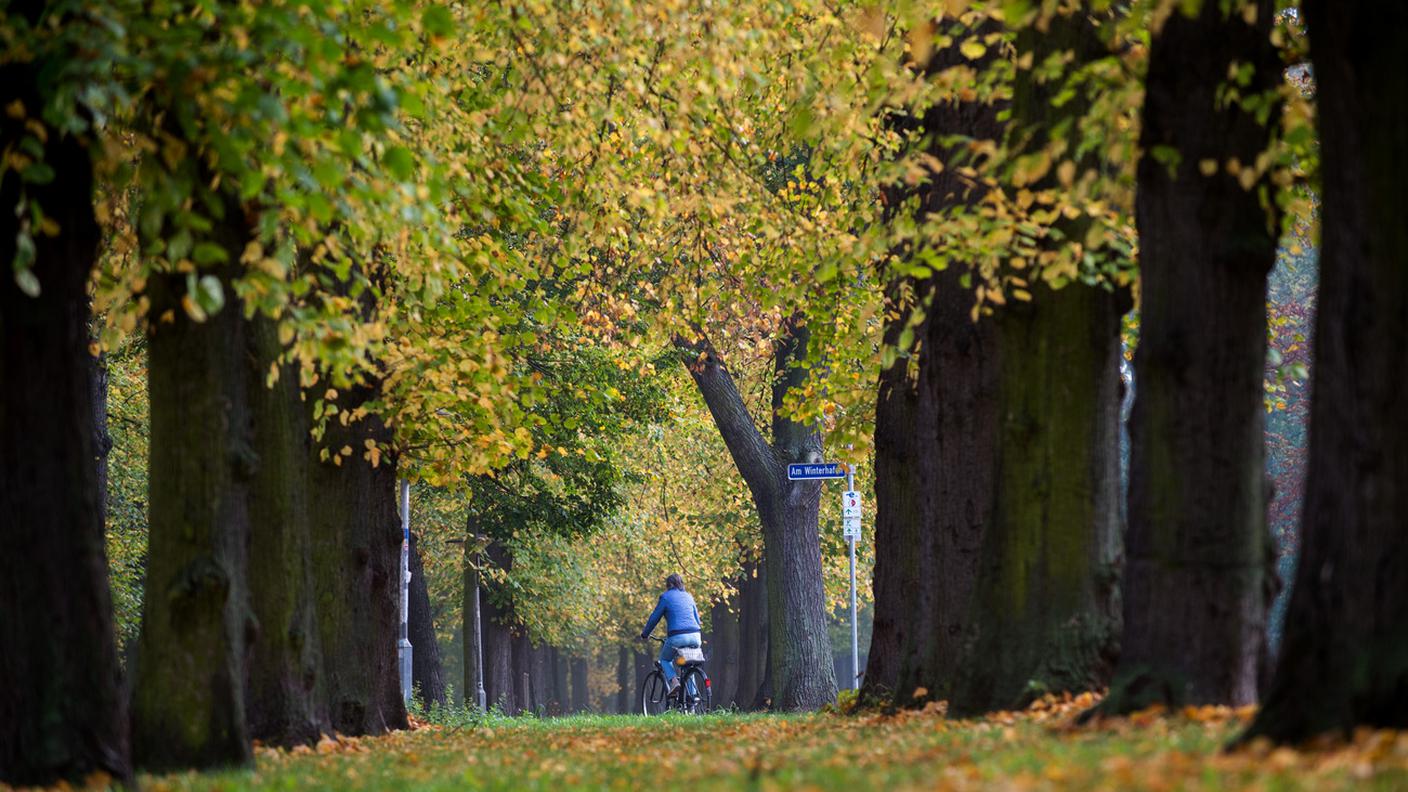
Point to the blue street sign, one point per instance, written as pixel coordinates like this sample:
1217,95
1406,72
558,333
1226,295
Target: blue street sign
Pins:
819,470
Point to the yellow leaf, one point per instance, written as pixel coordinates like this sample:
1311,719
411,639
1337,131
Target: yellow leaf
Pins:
972,49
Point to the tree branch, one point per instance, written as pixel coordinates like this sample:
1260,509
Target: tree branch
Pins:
750,451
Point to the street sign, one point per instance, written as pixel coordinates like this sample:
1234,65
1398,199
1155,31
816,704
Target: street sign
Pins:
818,470
850,515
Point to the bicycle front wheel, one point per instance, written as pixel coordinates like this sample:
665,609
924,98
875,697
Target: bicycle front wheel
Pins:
698,697
652,694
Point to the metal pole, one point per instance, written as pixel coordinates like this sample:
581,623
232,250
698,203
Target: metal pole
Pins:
478,649
855,642
403,646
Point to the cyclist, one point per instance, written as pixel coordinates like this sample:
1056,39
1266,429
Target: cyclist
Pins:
682,624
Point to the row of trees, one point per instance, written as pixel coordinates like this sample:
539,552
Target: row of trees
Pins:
1006,491
369,240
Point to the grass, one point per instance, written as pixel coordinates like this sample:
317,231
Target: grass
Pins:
1036,749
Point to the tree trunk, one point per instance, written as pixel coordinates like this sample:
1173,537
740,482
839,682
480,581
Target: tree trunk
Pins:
724,659
285,700
1344,660
427,676
1046,609
801,654
357,561
935,445
522,653
541,678
188,705
643,664
62,708
558,695
499,681
753,635
624,683
581,695
1196,585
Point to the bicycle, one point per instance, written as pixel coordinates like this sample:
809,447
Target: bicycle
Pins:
654,699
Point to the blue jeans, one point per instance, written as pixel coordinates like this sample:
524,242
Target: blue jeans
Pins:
667,654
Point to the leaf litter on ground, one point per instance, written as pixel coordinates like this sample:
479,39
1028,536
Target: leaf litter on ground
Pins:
1039,748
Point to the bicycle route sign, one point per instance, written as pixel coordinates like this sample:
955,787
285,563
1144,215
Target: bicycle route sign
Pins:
817,470
850,515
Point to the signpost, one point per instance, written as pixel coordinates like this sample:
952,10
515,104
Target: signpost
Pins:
850,529
403,646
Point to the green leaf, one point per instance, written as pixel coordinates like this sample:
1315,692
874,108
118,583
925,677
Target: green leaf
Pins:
437,21
209,253
399,162
28,283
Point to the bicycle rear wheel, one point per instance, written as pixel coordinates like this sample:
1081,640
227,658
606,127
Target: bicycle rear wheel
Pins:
701,702
652,694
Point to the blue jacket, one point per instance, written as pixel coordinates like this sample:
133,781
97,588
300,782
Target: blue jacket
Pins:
681,616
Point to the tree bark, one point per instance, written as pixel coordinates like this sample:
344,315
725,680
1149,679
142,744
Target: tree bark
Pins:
581,693
522,653
624,683
935,443
1046,610
724,659
427,675
1197,579
541,678
62,708
801,654
499,682
285,697
188,705
753,635
559,697
357,561
1344,660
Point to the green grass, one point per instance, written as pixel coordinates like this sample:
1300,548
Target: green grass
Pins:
813,751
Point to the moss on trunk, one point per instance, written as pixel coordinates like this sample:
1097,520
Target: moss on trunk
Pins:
188,704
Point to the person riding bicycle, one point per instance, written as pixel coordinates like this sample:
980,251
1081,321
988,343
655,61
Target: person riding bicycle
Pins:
681,623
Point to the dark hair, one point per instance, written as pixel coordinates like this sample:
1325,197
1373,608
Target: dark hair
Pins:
674,581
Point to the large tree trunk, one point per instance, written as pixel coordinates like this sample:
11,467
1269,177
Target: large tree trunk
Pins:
522,653
1196,585
427,676
540,676
495,621
802,673
1046,610
357,561
1344,660
285,699
935,444
559,696
581,693
724,660
62,709
188,706
753,635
